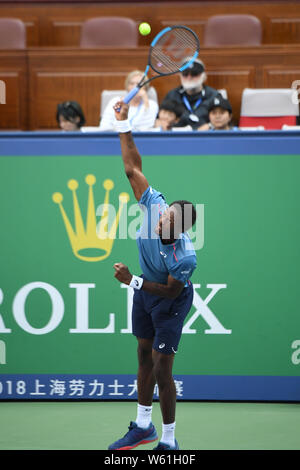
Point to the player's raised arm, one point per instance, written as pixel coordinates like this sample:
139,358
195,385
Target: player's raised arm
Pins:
131,157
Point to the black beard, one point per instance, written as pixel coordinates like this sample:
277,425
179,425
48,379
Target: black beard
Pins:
167,242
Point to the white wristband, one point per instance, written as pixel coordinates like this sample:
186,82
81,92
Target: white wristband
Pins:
123,126
136,282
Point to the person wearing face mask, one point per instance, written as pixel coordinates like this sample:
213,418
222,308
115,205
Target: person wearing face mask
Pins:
193,95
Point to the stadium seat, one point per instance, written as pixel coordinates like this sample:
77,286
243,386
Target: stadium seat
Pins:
232,30
223,92
109,31
268,107
12,34
107,95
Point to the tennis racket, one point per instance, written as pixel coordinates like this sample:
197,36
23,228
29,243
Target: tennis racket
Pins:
173,50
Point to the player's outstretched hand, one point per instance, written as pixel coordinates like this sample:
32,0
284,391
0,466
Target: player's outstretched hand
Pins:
121,110
122,273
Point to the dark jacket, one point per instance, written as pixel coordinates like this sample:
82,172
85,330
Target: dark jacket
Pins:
199,109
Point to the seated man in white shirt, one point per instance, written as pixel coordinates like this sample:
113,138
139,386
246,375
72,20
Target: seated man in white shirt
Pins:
142,110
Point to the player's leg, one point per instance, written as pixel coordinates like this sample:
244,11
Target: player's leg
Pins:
163,364
142,328
142,430
145,377
168,318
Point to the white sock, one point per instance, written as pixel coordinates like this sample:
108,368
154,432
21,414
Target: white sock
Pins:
144,414
168,434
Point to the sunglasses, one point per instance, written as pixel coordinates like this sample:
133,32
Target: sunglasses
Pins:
192,73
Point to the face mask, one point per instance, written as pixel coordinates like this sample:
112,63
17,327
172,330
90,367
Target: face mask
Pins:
190,84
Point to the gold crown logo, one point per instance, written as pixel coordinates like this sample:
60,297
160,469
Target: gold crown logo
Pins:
91,242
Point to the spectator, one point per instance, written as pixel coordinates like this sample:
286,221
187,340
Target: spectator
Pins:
193,95
220,116
69,116
169,114
142,110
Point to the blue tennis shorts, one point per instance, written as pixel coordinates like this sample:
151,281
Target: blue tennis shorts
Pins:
161,318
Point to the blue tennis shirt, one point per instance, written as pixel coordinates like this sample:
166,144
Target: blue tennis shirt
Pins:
157,260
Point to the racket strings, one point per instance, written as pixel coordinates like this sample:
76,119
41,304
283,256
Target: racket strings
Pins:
172,50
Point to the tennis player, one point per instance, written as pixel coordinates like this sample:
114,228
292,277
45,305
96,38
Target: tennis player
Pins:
163,294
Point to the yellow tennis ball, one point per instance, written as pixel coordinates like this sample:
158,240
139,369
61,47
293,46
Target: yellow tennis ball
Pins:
144,29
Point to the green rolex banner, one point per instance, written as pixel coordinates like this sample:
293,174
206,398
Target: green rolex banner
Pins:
66,220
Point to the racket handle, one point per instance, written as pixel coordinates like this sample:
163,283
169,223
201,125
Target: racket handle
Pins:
131,94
